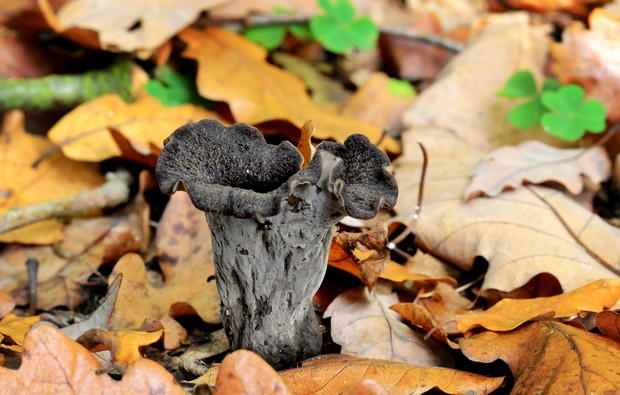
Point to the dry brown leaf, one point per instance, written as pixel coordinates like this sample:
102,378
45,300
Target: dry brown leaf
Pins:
507,314
305,143
550,357
576,7
7,304
13,329
608,322
184,246
261,92
53,363
516,232
244,372
364,387
591,59
124,345
332,377
84,133
122,26
375,103
535,162
363,324
22,184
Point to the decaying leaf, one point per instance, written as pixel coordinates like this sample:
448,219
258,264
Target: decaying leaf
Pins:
608,322
53,363
397,378
535,162
244,372
21,184
124,345
13,329
84,133
262,92
122,26
184,245
305,143
550,357
507,314
363,324
590,58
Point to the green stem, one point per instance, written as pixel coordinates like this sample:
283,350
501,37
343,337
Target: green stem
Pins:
66,91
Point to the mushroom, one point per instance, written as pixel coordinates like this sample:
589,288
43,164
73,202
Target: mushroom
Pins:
272,224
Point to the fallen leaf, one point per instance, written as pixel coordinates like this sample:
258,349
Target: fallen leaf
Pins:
7,304
13,329
550,357
244,372
305,143
397,378
23,185
576,7
261,92
375,103
364,387
363,324
507,314
608,322
590,58
124,345
119,26
84,133
532,161
53,363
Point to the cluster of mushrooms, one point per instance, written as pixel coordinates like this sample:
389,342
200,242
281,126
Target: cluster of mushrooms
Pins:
272,224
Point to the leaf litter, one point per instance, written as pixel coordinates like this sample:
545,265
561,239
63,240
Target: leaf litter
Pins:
499,209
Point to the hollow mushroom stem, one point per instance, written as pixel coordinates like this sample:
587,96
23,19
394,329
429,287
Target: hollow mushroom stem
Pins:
272,224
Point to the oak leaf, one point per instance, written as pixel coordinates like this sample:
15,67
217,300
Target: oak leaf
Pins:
23,185
550,357
121,26
397,378
84,133
363,324
244,372
13,329
53,363
261,92
507,314
124,345
590,58
535,162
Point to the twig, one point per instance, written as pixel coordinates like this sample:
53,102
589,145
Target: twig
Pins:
32,268
112,193
266,20
590,252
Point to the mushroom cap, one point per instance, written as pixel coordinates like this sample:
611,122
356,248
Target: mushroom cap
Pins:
234,171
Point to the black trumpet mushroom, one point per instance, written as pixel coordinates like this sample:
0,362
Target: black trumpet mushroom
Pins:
272,224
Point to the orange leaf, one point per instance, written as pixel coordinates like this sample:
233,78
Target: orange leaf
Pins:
124,345
550,357
608,322
84,133
7,304
21,184
507,314
334,377
53,363
244,372
234,70
15,328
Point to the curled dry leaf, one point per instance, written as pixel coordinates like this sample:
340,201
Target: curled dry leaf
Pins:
118,26
608,322
244,372
261,92
84,133
550,357
334,376
535,162
363,324
13,329
590,58
507,314
124,345
53,363
21,184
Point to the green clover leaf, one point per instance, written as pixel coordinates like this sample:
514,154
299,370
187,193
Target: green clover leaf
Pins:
520,85
173,89
338,31
570,117
269,37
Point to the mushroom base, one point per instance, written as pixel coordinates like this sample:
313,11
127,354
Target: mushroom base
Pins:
267,272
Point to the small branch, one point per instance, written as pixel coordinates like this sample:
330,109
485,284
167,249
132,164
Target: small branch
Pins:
112,193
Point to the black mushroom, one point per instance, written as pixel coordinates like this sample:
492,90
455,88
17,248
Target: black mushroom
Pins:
272,224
